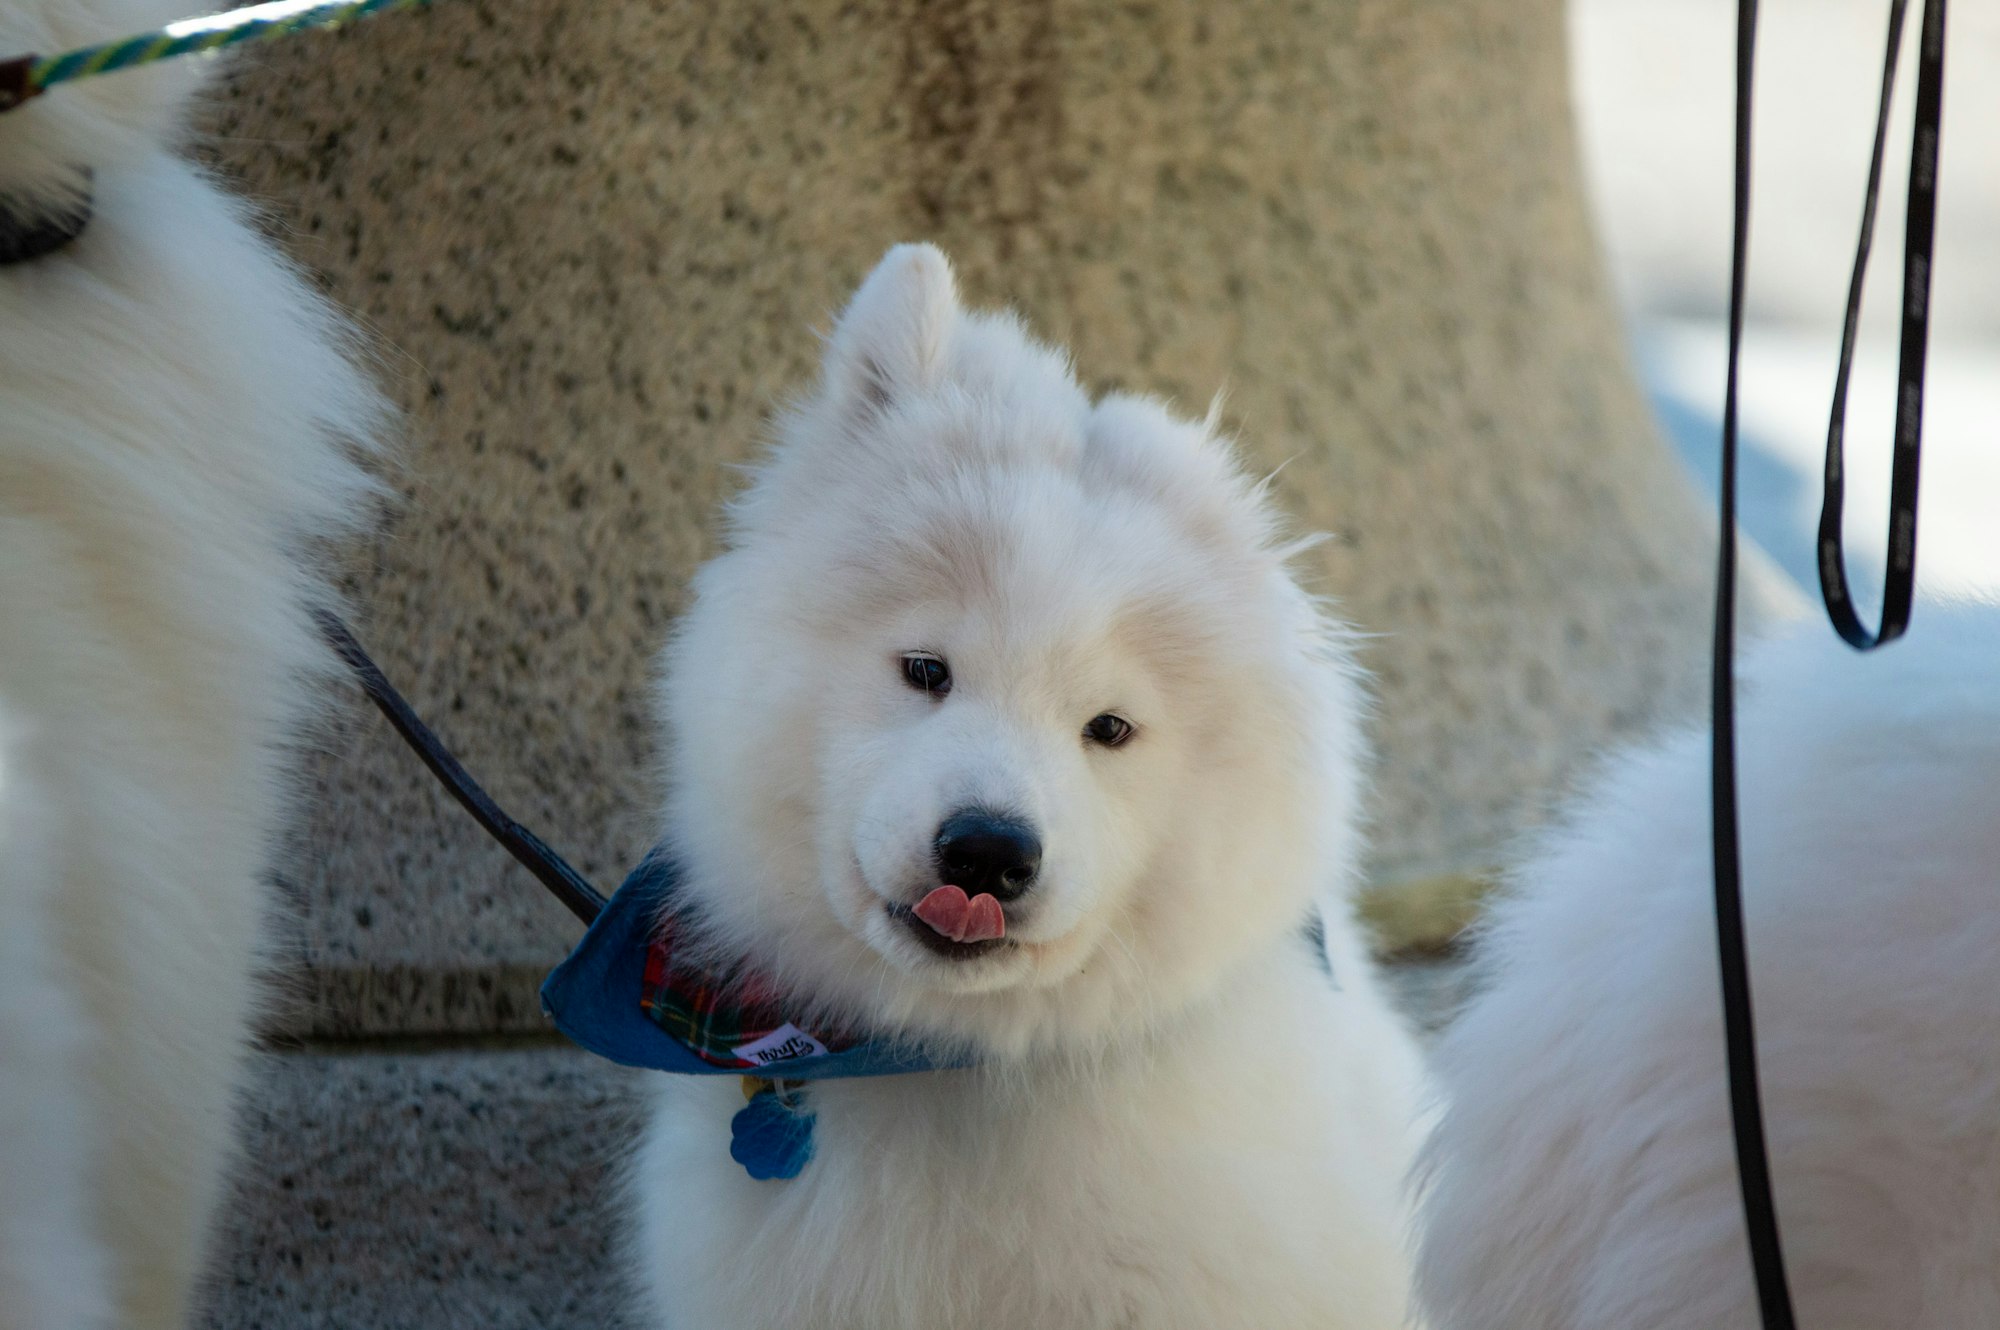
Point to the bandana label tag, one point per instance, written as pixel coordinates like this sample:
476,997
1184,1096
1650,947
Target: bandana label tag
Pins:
787,1041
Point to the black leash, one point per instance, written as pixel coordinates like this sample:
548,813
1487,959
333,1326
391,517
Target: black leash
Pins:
1760,1216
564,883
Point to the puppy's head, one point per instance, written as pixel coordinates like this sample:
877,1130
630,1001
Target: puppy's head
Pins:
974,631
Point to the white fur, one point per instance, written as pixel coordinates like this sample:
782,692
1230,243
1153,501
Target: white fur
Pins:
1176,1120
1583,1177
176,416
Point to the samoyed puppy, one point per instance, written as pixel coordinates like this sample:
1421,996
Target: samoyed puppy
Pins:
177,426
1583,1176
975,630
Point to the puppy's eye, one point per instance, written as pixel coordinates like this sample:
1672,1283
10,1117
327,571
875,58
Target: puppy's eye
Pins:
927,673
1108,730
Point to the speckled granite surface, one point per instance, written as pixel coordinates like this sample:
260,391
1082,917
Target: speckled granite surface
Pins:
425,1192
462,1190
593,242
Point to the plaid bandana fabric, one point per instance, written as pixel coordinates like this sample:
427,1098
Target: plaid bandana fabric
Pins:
623,995
730,1020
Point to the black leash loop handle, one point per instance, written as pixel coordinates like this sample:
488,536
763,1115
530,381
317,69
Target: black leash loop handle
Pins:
550,869
1919,232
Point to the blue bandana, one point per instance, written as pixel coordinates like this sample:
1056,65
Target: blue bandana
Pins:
622,995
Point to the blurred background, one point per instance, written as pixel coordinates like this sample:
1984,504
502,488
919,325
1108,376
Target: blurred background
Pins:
1655,99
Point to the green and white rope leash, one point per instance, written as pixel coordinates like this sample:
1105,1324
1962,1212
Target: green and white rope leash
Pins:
28,76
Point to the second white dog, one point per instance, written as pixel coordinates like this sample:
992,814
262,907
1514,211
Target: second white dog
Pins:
975,630
1584,1177
178,422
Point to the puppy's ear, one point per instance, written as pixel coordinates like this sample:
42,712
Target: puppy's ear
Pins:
893,336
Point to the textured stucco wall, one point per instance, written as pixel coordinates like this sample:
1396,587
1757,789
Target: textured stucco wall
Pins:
595,241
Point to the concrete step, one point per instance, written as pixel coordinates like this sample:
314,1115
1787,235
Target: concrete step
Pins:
425,1191
457,1189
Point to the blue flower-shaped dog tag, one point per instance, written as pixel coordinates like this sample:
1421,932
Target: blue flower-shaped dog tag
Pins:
772,1135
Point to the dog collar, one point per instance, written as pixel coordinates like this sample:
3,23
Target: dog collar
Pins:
628,994
28,232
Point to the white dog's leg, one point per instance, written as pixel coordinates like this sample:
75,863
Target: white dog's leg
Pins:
52,1272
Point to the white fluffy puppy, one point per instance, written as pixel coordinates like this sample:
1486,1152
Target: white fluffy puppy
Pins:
175,415
1584,1175
961,590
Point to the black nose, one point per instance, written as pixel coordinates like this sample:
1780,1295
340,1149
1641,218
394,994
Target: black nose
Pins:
984,853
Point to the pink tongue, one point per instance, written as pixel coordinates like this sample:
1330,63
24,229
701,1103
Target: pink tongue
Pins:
951,915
